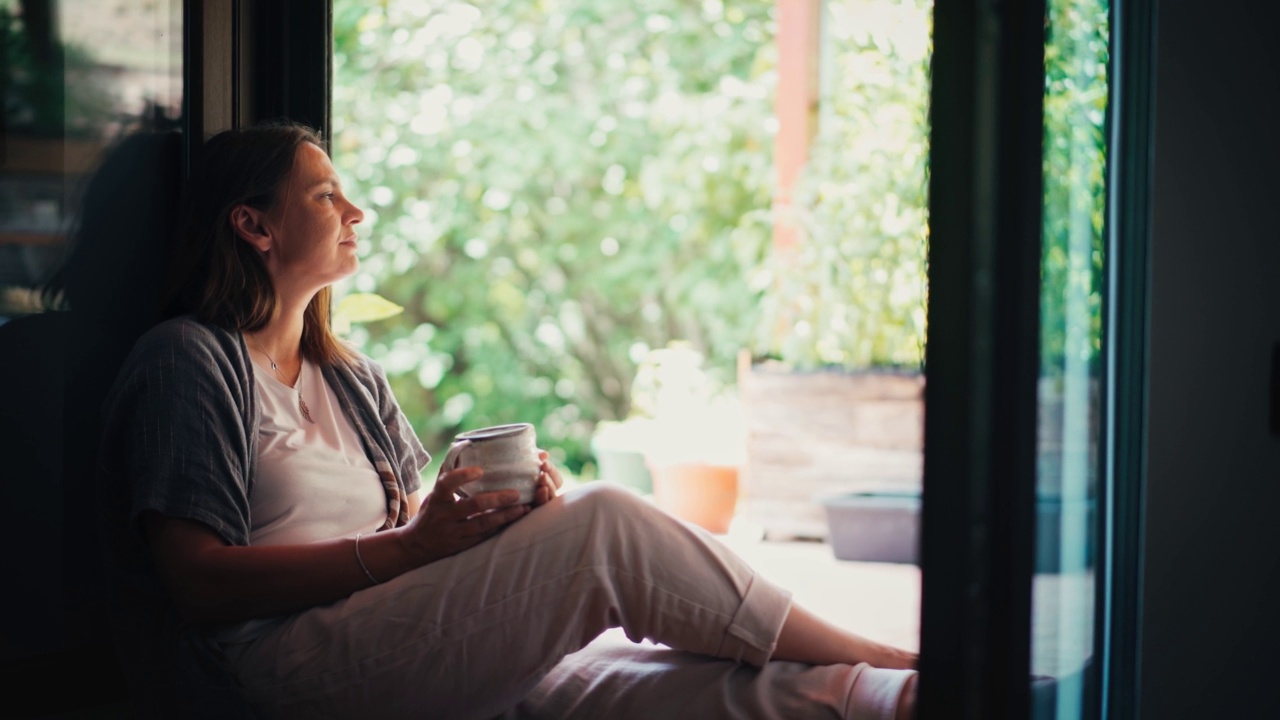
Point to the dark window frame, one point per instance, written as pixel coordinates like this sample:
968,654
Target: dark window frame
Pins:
250,61
1131,115
982,359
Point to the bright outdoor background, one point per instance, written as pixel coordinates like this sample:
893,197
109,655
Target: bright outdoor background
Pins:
557,189
574,201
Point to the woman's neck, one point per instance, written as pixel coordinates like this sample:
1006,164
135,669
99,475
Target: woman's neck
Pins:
281,338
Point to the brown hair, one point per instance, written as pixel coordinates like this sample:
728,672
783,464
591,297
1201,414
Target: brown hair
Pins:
221,279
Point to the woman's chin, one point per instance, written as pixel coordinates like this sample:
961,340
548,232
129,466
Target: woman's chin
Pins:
349,267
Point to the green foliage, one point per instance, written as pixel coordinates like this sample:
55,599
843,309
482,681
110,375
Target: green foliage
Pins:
851,292
552,188
1076,93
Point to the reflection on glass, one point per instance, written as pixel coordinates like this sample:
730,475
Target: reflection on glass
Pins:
1063,612
77,75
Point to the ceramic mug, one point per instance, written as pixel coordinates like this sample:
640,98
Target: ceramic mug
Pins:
508,454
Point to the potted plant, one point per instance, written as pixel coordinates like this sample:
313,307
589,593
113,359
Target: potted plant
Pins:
618,447
685,430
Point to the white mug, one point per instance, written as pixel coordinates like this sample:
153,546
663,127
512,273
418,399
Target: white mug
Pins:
508,454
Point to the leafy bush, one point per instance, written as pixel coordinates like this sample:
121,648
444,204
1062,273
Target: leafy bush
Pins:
551,190
555,188
851,292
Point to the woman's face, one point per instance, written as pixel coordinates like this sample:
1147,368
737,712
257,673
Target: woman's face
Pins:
312,226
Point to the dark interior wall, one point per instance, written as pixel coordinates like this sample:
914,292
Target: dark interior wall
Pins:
1211,641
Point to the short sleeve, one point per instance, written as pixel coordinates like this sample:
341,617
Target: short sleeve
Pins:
175,431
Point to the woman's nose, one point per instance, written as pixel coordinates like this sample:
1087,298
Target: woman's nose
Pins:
354,213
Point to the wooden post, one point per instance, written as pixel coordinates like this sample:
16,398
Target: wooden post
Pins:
795,105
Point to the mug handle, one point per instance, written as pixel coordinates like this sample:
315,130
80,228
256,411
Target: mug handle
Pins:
452,458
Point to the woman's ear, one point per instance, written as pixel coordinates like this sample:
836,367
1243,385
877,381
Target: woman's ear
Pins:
247,222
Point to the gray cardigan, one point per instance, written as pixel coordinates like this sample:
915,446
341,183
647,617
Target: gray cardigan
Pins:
180,437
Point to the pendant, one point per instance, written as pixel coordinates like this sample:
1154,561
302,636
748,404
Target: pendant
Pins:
306,412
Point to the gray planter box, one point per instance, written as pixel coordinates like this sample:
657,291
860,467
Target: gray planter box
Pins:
625,467
885,527
874,527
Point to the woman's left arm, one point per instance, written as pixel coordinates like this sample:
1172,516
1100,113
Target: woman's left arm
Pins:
415,502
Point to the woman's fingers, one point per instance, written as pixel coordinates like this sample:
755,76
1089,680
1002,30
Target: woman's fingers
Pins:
459,523
550,474
447,525
489,522
550,470
482,502
449,482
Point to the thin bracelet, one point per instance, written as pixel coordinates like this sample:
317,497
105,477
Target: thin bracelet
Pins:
361,561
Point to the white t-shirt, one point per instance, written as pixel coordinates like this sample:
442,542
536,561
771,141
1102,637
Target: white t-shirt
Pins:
313,480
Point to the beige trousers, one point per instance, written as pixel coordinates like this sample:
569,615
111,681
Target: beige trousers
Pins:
613,678
474,635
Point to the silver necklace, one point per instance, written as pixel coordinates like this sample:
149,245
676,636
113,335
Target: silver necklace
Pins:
302,404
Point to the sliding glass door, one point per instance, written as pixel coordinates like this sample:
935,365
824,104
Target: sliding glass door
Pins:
1033,454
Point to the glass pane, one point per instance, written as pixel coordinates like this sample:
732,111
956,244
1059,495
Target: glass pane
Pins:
1075,152
84,196
78,76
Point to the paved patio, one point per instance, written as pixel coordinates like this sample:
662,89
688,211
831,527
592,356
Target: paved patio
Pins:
882,600
878,600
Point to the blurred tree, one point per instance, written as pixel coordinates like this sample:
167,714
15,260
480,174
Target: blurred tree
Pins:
851,293
555,187
552,189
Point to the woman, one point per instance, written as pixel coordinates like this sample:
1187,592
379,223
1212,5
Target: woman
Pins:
262,472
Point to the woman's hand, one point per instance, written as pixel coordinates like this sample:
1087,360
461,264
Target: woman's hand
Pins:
447,525
549,481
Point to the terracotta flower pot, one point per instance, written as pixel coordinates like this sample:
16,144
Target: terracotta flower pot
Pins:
700,493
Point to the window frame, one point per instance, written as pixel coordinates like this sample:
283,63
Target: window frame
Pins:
251,61
982,359
1131,115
